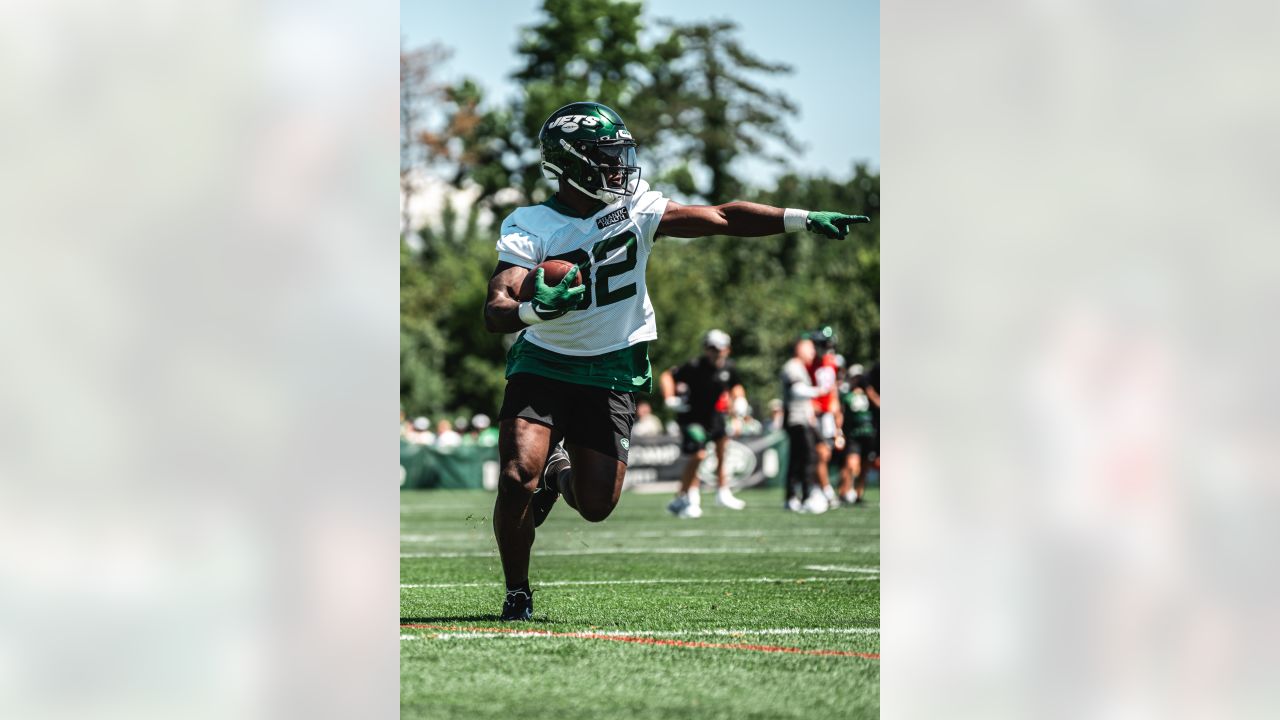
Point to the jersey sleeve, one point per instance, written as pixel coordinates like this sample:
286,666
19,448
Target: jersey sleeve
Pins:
518,246
647,210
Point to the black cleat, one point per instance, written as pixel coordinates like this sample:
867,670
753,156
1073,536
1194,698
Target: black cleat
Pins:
545,497
518,605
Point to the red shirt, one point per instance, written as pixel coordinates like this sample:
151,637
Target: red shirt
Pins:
823,373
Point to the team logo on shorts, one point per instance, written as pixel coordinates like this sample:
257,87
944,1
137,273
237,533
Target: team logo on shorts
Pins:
625,443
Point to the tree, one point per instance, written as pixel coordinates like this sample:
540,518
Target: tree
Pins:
689,98
419,92
721,111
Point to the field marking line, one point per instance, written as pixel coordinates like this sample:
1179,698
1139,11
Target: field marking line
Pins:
487,533
666,633
643,640
648,581
843,569
756,631
651,551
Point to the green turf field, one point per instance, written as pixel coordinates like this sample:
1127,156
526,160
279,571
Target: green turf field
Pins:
643,615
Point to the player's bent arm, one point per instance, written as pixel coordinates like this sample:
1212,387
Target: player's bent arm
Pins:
502,309
668,385
744,219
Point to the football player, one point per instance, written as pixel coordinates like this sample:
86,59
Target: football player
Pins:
801,423
714,389
861,446
565,423
824,372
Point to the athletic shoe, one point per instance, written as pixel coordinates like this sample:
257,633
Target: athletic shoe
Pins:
830,493
694,496
792,504
848,498
816,504
547,492
677,505
518,605
725,499
690,512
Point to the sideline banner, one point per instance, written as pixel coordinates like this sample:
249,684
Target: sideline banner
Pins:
655,464
424,466
754,460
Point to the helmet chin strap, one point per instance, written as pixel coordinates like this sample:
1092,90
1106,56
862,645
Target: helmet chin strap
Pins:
604,196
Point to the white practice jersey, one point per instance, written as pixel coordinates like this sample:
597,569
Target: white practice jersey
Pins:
613,247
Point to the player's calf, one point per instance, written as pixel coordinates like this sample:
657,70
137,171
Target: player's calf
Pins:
596,482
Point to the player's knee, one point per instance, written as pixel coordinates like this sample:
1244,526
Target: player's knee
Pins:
515,478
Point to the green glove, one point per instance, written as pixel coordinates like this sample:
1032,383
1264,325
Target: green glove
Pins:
696,433
833,225
550,302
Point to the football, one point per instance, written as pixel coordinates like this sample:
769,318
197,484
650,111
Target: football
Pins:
553,271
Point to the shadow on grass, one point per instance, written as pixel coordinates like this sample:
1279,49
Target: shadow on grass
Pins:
467,618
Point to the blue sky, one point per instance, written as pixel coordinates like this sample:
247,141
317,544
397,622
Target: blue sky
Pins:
833,47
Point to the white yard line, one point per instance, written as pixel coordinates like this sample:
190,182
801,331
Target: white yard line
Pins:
656,551
487,533
718,632
651,581
843,569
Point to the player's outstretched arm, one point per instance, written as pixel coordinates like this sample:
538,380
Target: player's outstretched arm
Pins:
746,219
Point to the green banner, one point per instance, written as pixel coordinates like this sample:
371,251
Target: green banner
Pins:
465,466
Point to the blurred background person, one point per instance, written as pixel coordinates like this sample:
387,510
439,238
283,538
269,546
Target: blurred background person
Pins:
823,370
419,432
745,424
871,385
482,431
713,389
798,392
777,416
647,424
860,448
446,436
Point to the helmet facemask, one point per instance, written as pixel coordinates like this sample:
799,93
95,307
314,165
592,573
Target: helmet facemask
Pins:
609,168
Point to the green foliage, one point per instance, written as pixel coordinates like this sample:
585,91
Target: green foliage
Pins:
707,84
766,291
448,361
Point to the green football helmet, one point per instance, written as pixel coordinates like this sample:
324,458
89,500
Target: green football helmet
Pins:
587,145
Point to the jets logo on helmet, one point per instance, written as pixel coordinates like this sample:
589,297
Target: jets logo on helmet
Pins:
586,145
570,123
